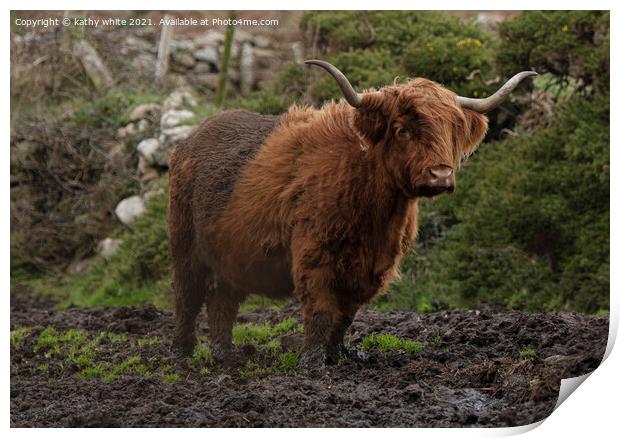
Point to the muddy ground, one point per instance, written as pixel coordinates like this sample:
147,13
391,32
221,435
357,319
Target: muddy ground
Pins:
483,368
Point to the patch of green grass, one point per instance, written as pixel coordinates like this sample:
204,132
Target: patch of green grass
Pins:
148,341
111,109
436,340
255,302
289,325
202,357
48,339
137,273
73,335
288,361
274,363
96,371
251,333
19,333
142,370
202,352
171,378
527,353
274,345
386,343
253,369
129,363
262,333
108,371
81,357
115,338
79,349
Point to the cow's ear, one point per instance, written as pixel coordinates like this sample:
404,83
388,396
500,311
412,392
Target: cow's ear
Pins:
476,126
371,124
372,116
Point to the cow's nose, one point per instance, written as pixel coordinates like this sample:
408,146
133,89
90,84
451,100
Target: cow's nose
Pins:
441,172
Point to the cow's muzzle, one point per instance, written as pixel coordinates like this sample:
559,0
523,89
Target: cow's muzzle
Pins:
437,180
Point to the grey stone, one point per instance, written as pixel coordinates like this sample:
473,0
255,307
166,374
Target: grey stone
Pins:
204,67
183,58
147,172
210,38
208,80
171,136
108,247
241,36
262,41
143,125
127,131
149,175
179,99
80,266
129,209
135,43
148,195
145,111
174,80
149,149
144,62
207,54
184,45
175,117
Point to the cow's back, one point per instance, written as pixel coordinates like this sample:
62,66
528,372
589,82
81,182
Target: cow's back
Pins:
205,168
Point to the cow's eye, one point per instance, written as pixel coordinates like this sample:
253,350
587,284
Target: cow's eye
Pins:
402,132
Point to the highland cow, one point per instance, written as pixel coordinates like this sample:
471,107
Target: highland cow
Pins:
320,204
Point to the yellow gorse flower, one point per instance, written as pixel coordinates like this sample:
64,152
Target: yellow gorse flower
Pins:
469,42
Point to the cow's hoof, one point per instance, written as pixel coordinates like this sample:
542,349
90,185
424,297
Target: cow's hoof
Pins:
357,355
341,352
183,348
313,359
225,356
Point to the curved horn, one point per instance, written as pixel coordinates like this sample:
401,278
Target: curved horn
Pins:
354,99
487,104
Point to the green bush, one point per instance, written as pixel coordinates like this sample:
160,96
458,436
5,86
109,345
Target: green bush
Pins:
450,59
374,47
66,185
528,226
138,272
564,43
371,68
277,96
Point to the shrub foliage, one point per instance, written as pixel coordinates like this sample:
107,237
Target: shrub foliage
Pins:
66,180
528,226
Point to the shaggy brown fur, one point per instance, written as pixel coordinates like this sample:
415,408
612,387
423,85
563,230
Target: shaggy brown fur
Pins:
320,203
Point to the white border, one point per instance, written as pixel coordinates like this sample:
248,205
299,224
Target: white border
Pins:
591,410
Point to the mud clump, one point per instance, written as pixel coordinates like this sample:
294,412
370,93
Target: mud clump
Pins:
113,367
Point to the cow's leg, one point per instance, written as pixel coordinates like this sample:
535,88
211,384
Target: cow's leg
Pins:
222,307
189,285
320,315
336,348
313,278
